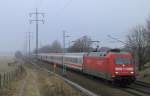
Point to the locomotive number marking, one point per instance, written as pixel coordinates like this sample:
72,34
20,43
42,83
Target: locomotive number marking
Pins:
99,62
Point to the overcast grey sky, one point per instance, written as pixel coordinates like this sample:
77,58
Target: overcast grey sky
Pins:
95,18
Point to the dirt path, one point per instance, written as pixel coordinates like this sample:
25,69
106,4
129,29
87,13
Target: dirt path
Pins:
40,83
28,86
21,89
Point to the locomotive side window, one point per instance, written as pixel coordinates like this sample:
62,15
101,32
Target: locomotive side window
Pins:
122,61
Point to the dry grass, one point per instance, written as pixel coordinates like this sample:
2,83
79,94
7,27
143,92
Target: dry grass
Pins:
40,83
51,85
31,85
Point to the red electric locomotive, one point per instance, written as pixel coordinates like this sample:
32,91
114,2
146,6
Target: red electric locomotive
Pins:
113,65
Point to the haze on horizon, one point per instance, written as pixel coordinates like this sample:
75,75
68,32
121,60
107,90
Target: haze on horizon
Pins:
95,18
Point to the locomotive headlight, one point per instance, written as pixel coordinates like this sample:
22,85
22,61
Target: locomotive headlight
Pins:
132,72
116,72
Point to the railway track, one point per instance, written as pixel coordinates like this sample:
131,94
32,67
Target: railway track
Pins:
141,87
134,92
141,83
137,89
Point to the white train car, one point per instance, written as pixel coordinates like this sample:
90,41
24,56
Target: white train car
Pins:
71,60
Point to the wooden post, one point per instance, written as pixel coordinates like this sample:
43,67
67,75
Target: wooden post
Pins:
9,78
0,81
4,83
54,67
2,78
6,78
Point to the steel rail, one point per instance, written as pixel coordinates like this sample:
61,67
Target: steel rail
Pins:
141,83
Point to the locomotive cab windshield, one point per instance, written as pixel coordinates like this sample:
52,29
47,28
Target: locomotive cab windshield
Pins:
119,60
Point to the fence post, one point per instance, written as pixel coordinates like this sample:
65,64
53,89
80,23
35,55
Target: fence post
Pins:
12,76
0,81
4,80
16,74
7,79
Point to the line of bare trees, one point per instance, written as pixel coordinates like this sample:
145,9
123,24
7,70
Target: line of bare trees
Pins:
54,47
82,44
138,42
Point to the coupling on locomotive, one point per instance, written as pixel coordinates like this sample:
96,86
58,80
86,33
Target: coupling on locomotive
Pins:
113,65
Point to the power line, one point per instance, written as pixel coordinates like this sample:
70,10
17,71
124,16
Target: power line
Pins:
117,40
131,46
36,20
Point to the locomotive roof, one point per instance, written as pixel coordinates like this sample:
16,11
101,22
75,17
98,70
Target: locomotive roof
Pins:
97,54
66,54
105,53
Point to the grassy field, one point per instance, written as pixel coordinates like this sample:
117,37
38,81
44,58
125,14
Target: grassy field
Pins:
35,82
6,63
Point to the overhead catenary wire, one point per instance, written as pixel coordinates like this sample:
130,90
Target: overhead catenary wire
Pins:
131,46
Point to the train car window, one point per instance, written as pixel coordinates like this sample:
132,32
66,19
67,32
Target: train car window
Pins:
80,61
122,61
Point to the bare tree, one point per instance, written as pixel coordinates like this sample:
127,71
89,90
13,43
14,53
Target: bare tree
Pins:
148,37
148,24
18,54
45,49
82,44
148,31
137,43
54,47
